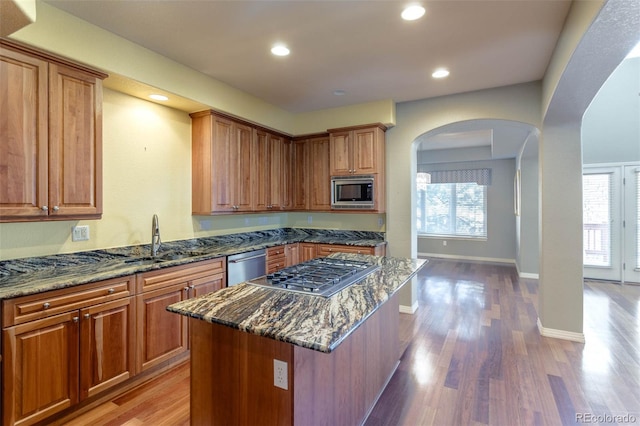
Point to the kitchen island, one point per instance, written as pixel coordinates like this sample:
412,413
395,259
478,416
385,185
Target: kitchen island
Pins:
339,352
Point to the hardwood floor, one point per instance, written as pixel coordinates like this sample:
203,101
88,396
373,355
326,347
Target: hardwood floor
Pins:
473,356
477,357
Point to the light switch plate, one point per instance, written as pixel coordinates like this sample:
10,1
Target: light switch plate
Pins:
80,233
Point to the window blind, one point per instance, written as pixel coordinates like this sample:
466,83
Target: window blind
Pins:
478,176
637,218
597,215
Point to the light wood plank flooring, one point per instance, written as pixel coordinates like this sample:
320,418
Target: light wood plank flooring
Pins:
473,357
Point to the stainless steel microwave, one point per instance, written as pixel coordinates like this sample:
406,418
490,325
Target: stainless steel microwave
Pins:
352,192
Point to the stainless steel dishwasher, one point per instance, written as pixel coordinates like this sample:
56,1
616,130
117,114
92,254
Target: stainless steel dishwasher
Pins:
245,266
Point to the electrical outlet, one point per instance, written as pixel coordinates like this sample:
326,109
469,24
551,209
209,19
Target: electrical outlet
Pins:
80,233
380,221
280,376
309,219
444,243
246,221
205,225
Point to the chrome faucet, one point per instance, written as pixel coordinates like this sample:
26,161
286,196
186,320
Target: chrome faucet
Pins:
155,236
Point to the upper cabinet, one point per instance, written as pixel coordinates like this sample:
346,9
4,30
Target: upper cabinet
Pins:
50,137
357,150
237,167
222,164
273,168
311,177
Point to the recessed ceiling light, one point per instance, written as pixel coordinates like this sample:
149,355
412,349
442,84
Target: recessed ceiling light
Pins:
159,97
440,73
339,92
413,12
280,50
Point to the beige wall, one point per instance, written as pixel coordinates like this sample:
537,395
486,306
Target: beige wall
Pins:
147,170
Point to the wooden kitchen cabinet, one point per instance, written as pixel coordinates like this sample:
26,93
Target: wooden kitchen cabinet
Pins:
161,335
357,150
223,164
292,254
308,251
311,174
326,249
276,259
273,157
50,137
63,346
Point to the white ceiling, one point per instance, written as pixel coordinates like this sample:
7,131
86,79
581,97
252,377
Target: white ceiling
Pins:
362,47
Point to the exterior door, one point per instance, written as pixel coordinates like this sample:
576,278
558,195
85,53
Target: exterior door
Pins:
631,272
611,223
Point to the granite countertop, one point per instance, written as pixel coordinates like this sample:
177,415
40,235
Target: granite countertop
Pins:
21,277
312,322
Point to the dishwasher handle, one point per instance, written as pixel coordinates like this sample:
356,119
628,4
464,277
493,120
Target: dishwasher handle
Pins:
247,258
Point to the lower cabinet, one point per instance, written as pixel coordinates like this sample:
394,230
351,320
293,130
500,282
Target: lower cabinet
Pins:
52,363
308,251
162,335
62,347
276,259
326,249
292,254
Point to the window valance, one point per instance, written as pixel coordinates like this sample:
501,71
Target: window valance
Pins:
479,176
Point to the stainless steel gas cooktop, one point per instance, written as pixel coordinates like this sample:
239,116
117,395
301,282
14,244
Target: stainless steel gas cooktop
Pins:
320,277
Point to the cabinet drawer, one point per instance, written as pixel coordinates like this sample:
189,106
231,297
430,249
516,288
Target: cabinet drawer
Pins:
36,306
179,274
275,265
275,252
327,249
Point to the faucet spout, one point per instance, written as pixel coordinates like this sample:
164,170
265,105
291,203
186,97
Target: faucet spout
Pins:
155,236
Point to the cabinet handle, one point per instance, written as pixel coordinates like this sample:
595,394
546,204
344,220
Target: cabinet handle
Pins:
75,319
46,305
111,291
44,208
330,249
56,208
192,286
87,316
186,289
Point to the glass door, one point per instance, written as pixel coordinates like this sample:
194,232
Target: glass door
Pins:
631,271
601,223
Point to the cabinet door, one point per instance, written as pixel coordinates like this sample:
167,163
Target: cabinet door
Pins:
40,368
340,151
320,197
286,178
301,175
223,173
107,336
242,168
75,142
275,164
308,251
205,285
263,171
366,151
161,335
23,135
292,254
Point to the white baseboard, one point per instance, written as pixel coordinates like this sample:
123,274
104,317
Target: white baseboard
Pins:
404,309
560,334
526,274
472,258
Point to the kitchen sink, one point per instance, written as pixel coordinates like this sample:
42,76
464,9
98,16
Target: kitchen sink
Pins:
149,260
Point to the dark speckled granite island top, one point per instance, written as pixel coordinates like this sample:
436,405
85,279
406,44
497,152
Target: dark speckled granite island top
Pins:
21,277
311,322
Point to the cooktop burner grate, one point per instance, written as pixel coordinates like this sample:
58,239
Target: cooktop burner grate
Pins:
321,276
